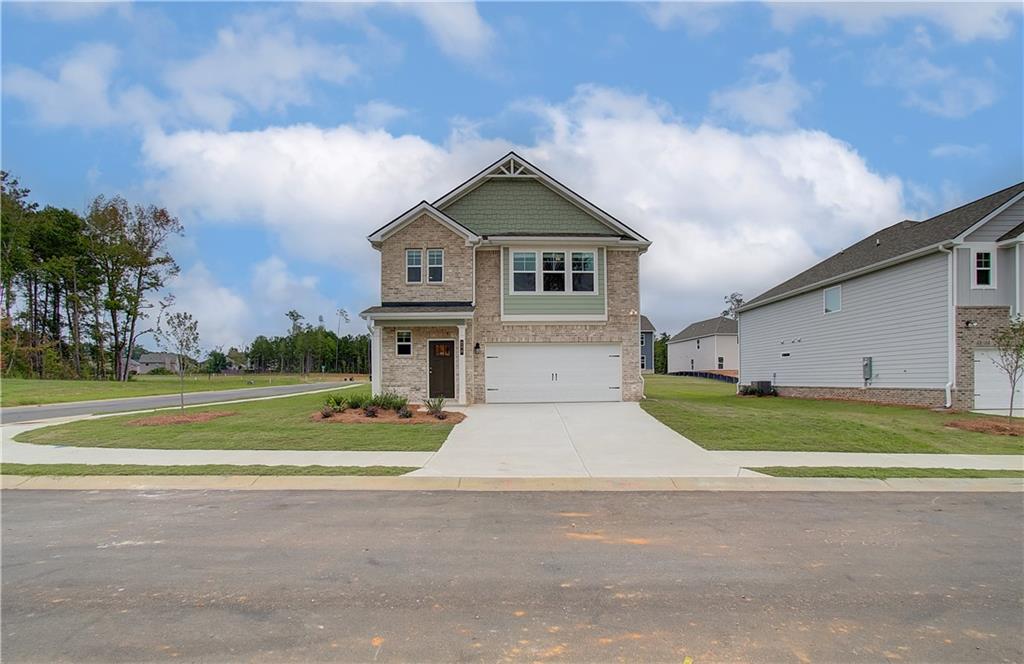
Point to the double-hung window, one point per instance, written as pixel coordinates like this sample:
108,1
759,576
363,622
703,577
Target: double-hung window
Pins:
643,361
583,271
642,344
833,299
435,266
984,269
721,362
524,272
553,271
403,342
413,266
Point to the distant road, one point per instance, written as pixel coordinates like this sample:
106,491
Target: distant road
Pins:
48,411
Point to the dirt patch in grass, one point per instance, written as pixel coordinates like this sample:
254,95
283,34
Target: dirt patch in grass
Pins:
997,427
356,416
179,418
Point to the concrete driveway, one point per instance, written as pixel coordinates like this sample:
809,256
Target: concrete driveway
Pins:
569,440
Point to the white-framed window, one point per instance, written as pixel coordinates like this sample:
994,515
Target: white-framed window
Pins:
691,364
721,362
698,344
642,342
524,271
833,299
553,271
435,266
643,361
583,271
983,268
403,342
413,266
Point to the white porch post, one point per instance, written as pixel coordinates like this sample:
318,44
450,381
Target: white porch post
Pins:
375,360
461,351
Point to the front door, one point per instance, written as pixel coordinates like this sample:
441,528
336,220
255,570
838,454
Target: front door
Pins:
442,369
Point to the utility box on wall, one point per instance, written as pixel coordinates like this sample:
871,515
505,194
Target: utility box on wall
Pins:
866,366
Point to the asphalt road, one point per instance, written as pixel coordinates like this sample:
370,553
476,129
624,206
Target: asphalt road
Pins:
582,577
15,414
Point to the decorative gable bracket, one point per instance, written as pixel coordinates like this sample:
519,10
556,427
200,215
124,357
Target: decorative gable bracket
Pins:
512,167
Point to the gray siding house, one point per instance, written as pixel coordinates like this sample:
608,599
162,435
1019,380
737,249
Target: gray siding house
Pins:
906,315
646,345
705,346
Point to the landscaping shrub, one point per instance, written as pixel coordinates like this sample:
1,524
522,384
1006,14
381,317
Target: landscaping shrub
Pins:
326,411
389,401
357,400
404,412
370,410
441,415
336,402
758,391
436,407
160,371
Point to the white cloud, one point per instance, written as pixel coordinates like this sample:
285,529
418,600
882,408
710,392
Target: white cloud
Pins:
254,64
698,18
378,113
223,315
957,150
767,98
965,21
457,27
75,10
939,90
726,210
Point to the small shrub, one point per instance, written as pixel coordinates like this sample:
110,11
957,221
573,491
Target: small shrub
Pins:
370,410
356,400
441,415
758,391
326,411
336,402
389,401
435,406
160,371
404,412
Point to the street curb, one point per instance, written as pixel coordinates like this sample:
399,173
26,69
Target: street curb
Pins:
342,483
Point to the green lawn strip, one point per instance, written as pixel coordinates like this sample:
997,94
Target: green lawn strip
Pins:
31,391
271,424
709,413
883,473
78,469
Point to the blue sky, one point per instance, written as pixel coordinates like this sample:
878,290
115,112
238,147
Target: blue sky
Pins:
746,140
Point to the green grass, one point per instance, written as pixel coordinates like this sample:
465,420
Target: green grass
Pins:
31,391
884,473
272,424
78,469
709,413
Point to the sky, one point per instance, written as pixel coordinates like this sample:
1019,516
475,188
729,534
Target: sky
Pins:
747,141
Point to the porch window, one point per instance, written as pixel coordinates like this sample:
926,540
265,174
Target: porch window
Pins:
435,266
554,271
403,342
984,272
583,271
413,266
524,272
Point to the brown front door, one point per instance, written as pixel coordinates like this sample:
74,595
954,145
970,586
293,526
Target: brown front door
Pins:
442,369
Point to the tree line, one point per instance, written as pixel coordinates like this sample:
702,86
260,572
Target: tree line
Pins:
309,348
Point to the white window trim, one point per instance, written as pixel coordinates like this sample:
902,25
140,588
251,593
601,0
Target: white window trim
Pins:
403,343
538,256
407,266
720,363
643,361
992,252
824,299
428,266
642,342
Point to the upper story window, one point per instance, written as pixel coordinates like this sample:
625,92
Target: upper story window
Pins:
833,299
435,266
984,269
553,264
524,272
403,342
698,344
583,271
413,266
642,344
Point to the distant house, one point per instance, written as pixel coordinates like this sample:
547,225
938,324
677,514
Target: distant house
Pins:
646,345
707,345
150,361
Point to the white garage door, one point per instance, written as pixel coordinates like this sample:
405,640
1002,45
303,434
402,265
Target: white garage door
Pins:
525,373
991,386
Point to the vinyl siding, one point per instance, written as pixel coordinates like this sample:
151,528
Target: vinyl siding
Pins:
1004,294
554,304
1005,221
647,350
897,316
704,358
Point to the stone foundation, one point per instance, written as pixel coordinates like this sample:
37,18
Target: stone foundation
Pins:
925,398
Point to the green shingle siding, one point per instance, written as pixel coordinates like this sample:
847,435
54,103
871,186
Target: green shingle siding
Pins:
522,207
554,304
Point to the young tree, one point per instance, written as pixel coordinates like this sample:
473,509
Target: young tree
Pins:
661,353
1009,342
733,301
179,333
216,362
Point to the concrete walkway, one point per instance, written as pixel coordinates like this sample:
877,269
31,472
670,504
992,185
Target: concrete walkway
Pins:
570,440
853,459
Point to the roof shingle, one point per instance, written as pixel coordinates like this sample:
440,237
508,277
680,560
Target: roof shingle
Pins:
706,328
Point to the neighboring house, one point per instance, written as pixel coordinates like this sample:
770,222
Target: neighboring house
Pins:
906,315
150,361
706,346
510,288
646,345
133,366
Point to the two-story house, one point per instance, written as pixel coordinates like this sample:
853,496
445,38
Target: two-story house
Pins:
907,315
509,288
707,345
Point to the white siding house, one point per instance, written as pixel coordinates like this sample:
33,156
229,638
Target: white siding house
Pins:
708,345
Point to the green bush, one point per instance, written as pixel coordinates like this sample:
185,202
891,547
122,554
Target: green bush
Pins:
327,411
389,401
337,402
356,400
435,407
160,371
757,391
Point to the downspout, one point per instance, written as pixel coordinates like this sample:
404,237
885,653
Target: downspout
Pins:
951,304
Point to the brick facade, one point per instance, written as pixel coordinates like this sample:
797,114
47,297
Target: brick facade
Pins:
426,233
934,398
985,321
407,374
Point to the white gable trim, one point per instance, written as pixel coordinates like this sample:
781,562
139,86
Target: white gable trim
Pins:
424,208
514,166
987,218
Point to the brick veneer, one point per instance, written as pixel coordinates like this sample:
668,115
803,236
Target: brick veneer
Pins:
985,322
426,233
407,374
935,398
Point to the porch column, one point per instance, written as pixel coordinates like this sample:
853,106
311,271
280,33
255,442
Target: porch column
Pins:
375,360
461,350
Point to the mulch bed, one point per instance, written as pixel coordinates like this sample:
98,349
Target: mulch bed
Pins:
356,416
180,418
997,427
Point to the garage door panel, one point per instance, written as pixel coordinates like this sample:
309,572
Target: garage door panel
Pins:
523,373
991,386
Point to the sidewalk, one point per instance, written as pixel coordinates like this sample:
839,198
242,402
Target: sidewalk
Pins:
868,460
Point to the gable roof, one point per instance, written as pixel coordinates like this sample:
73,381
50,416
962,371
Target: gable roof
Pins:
646,325
414,213
575,215
1012,233
706,328
901,239
157,357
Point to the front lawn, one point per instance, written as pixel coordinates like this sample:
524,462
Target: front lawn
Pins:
79,469
884,473
709,413
272,424
31,391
